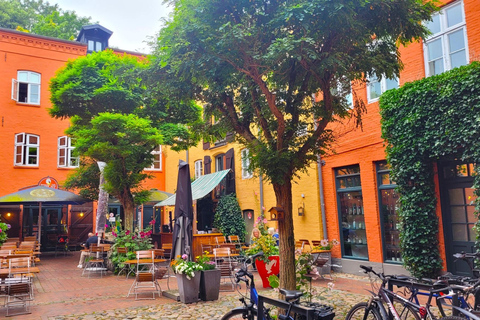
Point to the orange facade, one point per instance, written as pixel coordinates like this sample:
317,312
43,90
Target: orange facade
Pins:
364,148
30,144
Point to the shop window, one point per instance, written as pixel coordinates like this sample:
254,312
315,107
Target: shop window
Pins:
388,201
446,48
27,148
65,149
157,159
26,88
351,212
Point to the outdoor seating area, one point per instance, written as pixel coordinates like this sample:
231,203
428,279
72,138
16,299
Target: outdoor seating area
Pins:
18,261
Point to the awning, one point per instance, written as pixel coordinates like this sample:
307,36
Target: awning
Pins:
200,187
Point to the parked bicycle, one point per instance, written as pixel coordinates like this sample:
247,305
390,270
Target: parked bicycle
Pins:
386,304
250,302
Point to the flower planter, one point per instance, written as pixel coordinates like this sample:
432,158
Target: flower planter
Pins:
265,270
210,284
188,288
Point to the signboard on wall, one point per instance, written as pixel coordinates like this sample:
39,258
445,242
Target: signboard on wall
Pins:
48,182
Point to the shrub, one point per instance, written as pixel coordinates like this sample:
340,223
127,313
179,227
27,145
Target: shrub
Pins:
228,217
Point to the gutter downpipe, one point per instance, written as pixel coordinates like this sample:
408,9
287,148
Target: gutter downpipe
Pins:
260,181
320,163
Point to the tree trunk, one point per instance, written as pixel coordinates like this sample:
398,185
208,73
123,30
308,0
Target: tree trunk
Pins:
283,194
102,207
129,212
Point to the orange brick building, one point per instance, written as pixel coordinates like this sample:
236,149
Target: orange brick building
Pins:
360,202
34,145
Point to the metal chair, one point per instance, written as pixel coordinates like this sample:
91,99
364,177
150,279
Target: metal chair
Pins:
145,276
96,262
223,262
18,295
127,268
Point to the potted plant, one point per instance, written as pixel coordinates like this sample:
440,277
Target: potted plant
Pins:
188,278
269,263
322,254
209,278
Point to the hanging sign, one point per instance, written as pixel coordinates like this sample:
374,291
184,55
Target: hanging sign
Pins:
48,182
249,215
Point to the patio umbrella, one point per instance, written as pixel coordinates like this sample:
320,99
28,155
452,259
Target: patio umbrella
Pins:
183,228
39,195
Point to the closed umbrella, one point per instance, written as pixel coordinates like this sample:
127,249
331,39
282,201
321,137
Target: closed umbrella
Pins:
183,227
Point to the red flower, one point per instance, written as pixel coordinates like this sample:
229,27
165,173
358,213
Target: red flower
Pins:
127,232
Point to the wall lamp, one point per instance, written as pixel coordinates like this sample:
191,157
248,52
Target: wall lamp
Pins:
301,209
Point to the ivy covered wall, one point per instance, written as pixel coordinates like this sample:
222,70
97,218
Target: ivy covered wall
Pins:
421,122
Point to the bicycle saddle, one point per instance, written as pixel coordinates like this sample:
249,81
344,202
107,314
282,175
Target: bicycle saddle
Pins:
291,294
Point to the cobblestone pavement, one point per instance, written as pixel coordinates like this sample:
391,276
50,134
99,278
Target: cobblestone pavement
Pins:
61,293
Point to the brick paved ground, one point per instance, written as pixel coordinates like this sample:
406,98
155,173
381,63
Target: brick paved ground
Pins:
62,293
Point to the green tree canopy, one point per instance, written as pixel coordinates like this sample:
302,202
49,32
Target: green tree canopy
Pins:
108,100
42,18
257,64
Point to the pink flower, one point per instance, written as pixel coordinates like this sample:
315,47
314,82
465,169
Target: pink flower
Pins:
184,256
106,226
133,237
127,232
324,243
152,222
114,234
0,230
265,220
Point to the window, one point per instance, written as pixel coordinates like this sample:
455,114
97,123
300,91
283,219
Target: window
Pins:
157,159
198,169
94,46
26,149
446,48
351,213
246,172
26,88
376,87
344,89
219,162
65,158
388,198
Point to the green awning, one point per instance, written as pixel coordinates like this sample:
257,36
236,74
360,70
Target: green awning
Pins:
200,187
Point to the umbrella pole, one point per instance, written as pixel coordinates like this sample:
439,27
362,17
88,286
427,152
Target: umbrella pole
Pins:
39,223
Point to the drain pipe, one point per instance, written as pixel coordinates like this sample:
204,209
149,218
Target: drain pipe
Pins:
320,163
260,180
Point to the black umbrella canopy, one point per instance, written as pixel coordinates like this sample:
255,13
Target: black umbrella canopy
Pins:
42,194
183,228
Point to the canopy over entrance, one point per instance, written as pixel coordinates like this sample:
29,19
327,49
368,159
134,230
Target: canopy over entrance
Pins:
200,187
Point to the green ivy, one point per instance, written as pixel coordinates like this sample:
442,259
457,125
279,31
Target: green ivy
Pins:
421,122
228,217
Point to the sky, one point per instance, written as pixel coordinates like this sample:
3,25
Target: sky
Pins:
131,21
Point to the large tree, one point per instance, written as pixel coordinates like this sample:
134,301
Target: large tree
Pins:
256,66
42,18
99,92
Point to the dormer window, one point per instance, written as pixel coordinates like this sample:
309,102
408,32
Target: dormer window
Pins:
94,46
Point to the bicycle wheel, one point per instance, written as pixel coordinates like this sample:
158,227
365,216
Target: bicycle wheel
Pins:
452,318
361,312
239,314
406,312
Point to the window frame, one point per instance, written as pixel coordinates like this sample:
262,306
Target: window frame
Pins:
68,147
16,87
25,145
198,165
383,87
245,161
442,35
159,161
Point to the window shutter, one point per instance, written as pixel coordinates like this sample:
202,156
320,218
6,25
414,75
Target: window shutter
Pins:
207,162
230,164
15,90
206,145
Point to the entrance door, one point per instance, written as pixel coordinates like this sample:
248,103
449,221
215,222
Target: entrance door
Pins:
249,218
458,206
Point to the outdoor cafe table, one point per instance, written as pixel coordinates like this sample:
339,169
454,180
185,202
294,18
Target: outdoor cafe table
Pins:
6,271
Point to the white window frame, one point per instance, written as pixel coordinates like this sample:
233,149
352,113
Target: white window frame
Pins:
442,35
198,169
22,147
246,173
157,163
69,161
30,85
383,87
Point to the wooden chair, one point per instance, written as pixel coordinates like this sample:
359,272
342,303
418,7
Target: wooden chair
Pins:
96,262
223,262
127,268
18,296
30,238
299,247
145,280
315,243
167,247
306,243
220,240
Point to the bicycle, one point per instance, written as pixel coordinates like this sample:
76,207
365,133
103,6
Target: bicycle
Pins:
249,309
375,307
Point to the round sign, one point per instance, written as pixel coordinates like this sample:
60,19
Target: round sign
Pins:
48,182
